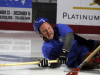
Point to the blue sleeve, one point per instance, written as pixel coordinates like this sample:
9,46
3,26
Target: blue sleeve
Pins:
63,29
50,52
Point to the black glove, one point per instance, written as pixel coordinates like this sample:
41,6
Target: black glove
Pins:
96,56
43,63
62,59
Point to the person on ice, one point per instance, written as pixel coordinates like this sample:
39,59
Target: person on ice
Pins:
63,44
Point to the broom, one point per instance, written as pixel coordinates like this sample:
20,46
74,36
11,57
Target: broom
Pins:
75,71
27,63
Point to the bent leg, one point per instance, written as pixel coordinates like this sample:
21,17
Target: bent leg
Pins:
90,64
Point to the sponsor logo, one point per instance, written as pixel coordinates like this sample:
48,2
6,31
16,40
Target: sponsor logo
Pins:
23,2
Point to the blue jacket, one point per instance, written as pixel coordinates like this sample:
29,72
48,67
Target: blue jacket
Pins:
52,48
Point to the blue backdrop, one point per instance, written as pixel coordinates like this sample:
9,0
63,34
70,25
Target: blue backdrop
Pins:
16,3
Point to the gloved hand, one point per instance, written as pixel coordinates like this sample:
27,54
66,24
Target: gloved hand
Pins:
96,57
62,59
43,62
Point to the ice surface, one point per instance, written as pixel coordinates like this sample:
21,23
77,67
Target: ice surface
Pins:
25,46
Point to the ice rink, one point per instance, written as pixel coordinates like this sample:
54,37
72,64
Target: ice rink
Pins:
25,46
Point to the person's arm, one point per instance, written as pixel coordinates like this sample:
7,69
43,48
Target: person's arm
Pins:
68,42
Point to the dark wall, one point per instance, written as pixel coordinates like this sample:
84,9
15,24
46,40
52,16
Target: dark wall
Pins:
47,10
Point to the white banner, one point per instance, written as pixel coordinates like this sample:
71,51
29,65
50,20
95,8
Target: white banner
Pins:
78,12
16,10
16,14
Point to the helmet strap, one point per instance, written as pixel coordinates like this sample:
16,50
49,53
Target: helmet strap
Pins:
44,38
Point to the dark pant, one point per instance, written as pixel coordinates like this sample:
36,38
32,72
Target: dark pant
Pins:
91,64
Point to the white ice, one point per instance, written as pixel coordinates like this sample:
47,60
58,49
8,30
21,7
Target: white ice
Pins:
25,46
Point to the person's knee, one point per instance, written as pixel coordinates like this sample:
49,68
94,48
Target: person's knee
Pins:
90,64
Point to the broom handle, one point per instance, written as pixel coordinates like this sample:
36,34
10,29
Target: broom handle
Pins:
55,61
27,63
89,57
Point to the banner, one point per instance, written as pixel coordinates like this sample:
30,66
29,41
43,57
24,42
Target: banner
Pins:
16,10
78,12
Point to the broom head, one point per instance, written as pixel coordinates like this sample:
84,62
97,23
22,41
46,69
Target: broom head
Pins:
74,72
